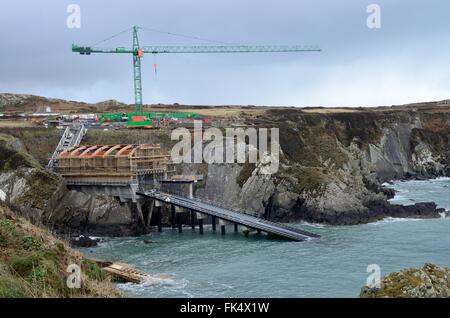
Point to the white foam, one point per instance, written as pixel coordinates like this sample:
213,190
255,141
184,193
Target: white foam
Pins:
316,225
393,220
2,195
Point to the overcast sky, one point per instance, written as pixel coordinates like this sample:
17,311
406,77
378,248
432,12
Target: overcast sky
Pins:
406,60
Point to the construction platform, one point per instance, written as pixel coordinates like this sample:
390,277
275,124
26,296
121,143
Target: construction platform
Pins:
111,164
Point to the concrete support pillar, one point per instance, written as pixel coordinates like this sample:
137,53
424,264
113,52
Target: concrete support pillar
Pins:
192,220
222,224
200,218
258,231
200,226
191,190
159,219
159,205
180,225
236,227
150,213
141,215
213,221
173,216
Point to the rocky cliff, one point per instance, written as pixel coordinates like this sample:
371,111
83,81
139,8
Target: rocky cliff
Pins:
332,167
43,198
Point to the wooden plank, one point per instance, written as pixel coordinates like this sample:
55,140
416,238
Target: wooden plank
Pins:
126,273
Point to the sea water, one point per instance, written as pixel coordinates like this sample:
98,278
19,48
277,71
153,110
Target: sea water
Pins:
212,265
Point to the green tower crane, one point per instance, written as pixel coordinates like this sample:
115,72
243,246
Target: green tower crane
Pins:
138,52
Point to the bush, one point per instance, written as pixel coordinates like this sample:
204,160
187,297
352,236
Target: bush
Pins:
24,265
92,270
31,243
40,270
7,226
11,288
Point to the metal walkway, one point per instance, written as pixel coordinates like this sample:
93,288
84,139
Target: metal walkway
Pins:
71,137
231,216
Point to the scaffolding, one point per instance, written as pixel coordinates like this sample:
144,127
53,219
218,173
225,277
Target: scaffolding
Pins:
112,164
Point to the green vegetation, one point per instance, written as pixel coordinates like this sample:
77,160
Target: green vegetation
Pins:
37,142
92,270
34,264
11,157
42,186
428,281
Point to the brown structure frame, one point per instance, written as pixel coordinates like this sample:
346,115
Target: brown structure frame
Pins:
111,164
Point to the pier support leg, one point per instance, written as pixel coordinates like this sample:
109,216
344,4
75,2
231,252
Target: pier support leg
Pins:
141,215
222,224
236,227
258,231
159,219
192,220
172,217
150,213
200,226
158,205
180,225
213,218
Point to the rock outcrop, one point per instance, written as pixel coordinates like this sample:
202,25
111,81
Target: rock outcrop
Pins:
43,198
332,166
430,281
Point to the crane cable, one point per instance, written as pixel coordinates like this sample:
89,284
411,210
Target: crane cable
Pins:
112,37
163,32
186,36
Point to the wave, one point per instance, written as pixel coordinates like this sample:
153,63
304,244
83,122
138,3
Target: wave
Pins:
315,225
394,220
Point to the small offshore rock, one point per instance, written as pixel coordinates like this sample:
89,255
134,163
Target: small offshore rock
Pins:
84,241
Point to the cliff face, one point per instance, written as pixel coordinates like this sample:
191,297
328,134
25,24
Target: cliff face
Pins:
332,166
44,199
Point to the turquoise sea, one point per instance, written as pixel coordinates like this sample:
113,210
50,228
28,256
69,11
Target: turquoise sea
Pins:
212,265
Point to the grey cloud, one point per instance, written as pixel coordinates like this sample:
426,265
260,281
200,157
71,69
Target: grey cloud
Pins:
408,52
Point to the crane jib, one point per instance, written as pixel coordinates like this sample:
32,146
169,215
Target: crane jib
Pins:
138,52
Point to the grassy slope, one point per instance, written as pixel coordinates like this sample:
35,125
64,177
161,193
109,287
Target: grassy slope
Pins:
33,263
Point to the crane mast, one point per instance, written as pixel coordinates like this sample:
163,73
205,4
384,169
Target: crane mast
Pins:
137,55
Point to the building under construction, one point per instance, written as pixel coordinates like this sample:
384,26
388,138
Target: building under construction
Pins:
112,164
